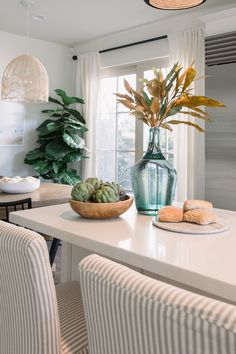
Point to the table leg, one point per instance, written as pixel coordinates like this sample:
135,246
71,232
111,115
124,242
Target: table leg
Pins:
53,250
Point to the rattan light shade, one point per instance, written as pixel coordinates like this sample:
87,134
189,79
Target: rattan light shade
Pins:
25,79
174,4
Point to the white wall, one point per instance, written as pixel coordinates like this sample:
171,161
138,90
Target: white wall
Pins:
220,22
60,67
137,53
221,138
181,21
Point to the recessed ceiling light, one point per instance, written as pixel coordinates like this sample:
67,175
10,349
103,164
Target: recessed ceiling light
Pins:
38,17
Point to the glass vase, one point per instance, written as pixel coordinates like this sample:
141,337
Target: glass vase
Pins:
153,178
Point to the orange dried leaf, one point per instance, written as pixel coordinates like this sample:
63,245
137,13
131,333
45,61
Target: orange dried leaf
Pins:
201,130
190,76
155,107
204,101
196,115
127,86
166,126
127,97
127,104
196,109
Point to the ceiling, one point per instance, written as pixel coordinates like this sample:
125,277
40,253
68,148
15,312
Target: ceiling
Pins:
72,21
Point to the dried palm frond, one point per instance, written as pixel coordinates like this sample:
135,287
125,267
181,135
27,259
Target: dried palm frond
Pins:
161,98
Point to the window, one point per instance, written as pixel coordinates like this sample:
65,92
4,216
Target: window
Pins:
122,139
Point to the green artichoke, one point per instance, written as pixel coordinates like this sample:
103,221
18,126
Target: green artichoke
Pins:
95,182
120,190
106,194
82,192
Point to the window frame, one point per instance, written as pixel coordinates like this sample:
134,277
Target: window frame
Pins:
138,69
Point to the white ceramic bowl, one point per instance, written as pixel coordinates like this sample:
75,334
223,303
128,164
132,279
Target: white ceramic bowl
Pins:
20,187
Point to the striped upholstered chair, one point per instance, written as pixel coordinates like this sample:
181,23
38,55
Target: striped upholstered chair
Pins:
129,313
34,318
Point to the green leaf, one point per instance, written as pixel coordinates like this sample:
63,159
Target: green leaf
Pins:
74,141
71,130
73,120
57,165
56,115
80,128
49,137
33,155
68,177
54,100
83,129
73,156
44,124
172,72
173,78
68,100
174,111
72,172
65,114
57,150
162,110
49,128
42,166
75,125
78,100
75,114
52,110
147,99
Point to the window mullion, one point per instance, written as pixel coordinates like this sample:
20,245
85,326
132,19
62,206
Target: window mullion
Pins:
116,137
138,123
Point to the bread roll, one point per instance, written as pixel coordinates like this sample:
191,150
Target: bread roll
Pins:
200,216
170,214
197,204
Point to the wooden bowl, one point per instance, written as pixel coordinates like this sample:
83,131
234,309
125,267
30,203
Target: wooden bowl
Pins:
101,210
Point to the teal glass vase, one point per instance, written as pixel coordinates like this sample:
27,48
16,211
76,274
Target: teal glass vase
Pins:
153,178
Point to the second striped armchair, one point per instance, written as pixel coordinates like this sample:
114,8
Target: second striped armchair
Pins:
129,313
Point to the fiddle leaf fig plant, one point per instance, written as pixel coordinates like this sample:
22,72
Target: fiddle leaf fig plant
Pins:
60,141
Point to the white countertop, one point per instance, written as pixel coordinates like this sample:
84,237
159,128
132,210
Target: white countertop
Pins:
206,262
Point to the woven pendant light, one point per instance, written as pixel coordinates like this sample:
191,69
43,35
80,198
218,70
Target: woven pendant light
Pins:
25,79
174,4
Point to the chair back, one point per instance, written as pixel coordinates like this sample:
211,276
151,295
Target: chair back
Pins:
14,206
129,313
29,322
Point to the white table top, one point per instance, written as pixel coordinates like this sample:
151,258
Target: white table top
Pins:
206,262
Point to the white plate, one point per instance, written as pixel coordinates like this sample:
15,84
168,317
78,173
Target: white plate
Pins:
190,228
20,187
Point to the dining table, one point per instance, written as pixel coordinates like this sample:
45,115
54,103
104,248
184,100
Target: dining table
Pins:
46,194
202,263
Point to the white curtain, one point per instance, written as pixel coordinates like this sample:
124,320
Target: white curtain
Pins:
87,87
189,144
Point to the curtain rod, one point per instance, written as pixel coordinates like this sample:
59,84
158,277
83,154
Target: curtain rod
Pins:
75,57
